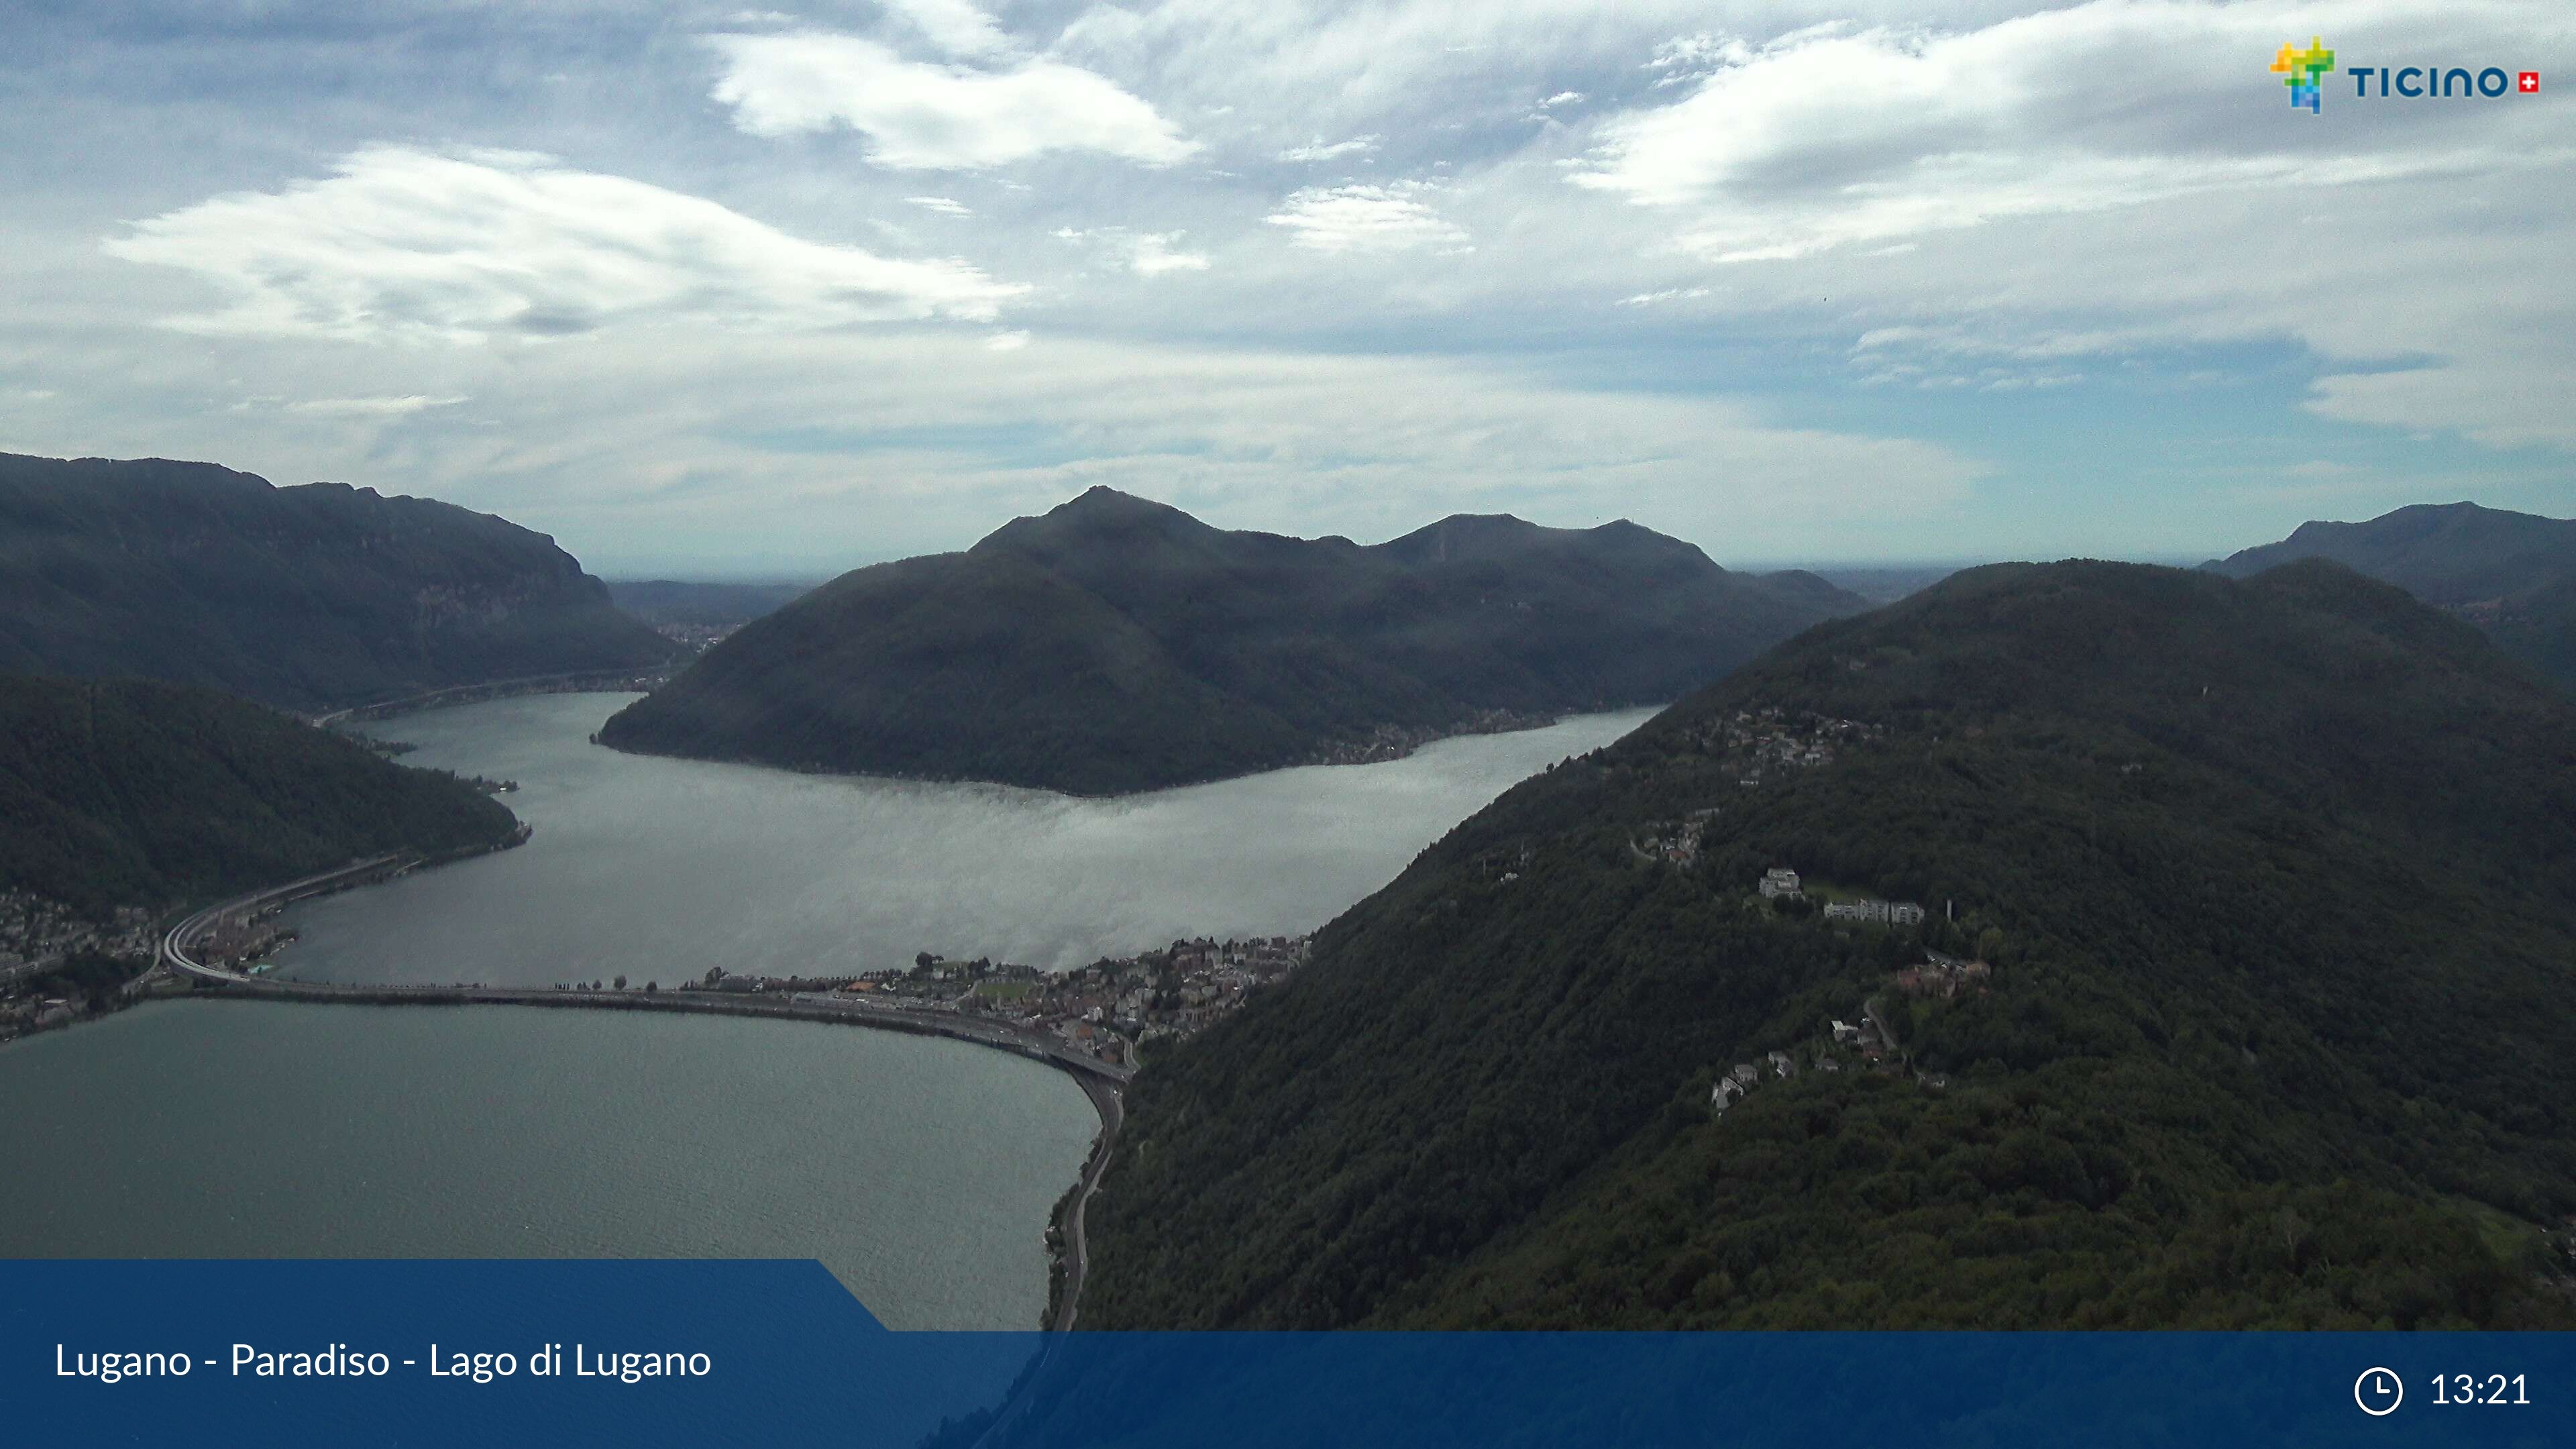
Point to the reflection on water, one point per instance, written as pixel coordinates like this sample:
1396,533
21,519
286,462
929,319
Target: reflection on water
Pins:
658,869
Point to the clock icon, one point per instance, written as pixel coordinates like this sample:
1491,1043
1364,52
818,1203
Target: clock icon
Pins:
2378,1392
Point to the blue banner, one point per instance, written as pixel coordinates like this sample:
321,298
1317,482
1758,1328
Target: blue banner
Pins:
778,1353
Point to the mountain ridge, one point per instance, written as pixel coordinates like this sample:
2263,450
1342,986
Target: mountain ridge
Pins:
306,597
2274,880
2511,574
1116,643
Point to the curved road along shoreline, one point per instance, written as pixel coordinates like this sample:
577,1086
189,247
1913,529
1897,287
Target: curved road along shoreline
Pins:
1101,1082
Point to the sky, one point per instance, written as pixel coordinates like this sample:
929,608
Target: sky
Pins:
722,293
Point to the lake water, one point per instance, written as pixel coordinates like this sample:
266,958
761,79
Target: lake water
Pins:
920,1171
657,869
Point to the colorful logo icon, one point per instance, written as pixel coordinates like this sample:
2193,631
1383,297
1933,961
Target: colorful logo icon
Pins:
2528,83
2304,72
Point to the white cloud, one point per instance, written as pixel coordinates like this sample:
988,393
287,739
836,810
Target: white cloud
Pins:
1319,151
954,26
1146,253
1388,218
1561,98
1153,255
1305,443
415,245
372,407
1006,341
944,205
1838,134
934,117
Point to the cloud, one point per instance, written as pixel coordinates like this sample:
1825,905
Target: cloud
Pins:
1147,254
1389,218
403,244
945,206
1837,134
372,407
816,445
954,26
1152,255
1318,151
1561,98
918,116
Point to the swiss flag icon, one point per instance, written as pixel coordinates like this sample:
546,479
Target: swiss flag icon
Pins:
2528,83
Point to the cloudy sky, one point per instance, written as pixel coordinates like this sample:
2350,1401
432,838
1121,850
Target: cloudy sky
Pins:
726,292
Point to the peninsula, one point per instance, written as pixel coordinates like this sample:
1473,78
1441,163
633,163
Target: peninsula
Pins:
1116,644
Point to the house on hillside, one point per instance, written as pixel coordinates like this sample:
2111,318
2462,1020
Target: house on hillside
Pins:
1876,912
1778,881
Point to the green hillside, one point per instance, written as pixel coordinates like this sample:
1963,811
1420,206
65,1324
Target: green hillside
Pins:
306,598
124,792
1116,644
2276,882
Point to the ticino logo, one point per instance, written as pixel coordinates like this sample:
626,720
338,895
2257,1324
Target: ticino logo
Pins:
2304,70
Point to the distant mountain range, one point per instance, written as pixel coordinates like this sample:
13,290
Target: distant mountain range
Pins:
1117,644
701,605
2511,574
2254,904
307,598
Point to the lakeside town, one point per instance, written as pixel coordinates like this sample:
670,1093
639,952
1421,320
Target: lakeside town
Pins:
57,966
1109,1010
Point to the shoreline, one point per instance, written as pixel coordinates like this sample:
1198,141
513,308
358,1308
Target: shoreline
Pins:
592,681
1322,760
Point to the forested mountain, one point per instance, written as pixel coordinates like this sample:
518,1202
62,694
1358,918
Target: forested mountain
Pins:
129,792
2273,886
2512,574
306,598
1117,644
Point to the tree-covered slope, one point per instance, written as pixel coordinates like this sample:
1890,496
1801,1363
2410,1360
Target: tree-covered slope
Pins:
2512,574
127,792
306,598
2277,882
1116,644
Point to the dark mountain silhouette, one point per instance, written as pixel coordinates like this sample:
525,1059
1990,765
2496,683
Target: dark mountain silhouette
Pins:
306,598
2274,887
1118,644
2512,574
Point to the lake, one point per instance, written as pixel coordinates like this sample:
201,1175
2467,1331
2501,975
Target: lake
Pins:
920,1171
658,869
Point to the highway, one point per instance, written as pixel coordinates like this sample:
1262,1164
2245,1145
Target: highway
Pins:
1100,1081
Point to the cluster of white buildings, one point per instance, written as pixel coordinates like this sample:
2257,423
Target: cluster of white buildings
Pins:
1875,912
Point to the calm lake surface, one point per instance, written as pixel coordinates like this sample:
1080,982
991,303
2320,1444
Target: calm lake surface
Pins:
658,869
920,1171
